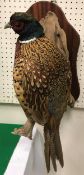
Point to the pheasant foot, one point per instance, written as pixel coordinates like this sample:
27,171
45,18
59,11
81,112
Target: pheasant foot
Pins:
25,130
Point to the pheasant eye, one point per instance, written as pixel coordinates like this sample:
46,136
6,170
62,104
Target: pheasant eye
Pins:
17,25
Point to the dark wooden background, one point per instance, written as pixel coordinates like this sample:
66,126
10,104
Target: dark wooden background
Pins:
39,10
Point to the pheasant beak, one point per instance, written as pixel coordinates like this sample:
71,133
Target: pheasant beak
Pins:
8,25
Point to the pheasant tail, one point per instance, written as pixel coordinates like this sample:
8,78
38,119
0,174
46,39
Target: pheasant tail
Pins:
53,148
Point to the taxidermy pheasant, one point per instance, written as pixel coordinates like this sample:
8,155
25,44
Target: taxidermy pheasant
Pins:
42,78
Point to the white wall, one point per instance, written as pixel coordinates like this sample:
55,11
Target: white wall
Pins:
72,136
10,113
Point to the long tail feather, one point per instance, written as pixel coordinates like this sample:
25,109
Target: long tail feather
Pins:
58,148
52,152
47,148
53,148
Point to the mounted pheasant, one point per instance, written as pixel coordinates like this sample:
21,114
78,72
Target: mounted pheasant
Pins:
42,82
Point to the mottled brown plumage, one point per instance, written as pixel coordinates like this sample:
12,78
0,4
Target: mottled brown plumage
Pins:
41,75
42,79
